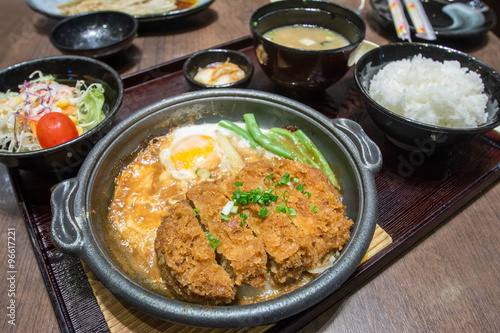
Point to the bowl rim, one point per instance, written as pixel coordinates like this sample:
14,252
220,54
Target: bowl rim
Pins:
350,46
76,18
85,135
192,58
223,315
420,125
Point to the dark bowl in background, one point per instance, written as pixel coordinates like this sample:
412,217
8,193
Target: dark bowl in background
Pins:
64,159
80,205
96,34
204,58
305,71
411,134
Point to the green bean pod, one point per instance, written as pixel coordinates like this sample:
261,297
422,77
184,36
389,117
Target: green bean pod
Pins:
317,155
262,139
278,139
240,131
299,146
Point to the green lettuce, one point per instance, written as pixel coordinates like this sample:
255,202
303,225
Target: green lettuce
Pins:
91,112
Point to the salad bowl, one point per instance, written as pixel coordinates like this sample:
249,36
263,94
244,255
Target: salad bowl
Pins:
63,159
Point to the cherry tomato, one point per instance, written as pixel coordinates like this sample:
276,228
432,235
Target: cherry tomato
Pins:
55,128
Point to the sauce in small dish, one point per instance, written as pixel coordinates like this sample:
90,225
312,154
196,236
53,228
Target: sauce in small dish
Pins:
220,73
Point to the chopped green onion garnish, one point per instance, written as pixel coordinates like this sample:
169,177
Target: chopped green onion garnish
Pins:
244,221
234,210
314,208
260,189
213,242
281,208
202,173
308,194
285,179
238,184
263,212
196,211
265,197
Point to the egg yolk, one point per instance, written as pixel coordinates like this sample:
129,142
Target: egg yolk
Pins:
195,151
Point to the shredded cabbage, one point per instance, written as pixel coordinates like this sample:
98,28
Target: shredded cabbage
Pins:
20,111
90,111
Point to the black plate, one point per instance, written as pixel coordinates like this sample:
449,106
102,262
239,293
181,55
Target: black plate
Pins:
50,9
449,18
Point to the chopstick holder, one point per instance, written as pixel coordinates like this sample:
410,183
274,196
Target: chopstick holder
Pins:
420,20
399,20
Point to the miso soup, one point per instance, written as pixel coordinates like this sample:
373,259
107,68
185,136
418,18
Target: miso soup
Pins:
307,37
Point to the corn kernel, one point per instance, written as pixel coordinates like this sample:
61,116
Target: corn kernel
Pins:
63,103
15,101
74,119
79,129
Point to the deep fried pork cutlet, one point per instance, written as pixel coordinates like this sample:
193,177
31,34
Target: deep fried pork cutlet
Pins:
286,244
243,253
187,260
295,231
297,242
319,212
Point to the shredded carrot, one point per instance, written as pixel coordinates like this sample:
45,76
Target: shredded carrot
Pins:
33,126
70,109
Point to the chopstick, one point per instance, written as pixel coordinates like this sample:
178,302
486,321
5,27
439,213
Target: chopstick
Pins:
418,17
399,20
420,20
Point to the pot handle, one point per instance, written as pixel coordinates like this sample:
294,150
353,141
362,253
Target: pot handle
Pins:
369,152
66,232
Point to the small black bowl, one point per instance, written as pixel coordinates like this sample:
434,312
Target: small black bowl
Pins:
305,71
64,159
204,58
410,134
97,34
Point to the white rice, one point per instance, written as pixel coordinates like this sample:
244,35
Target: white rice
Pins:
431,92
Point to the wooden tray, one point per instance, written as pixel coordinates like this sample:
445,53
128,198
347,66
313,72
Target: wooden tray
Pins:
416,191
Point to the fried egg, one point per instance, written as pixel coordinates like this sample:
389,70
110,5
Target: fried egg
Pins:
192,148
195,152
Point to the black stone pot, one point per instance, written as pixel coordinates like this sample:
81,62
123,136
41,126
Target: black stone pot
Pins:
80,205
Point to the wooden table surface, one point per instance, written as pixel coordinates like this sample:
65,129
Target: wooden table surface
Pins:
449,282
